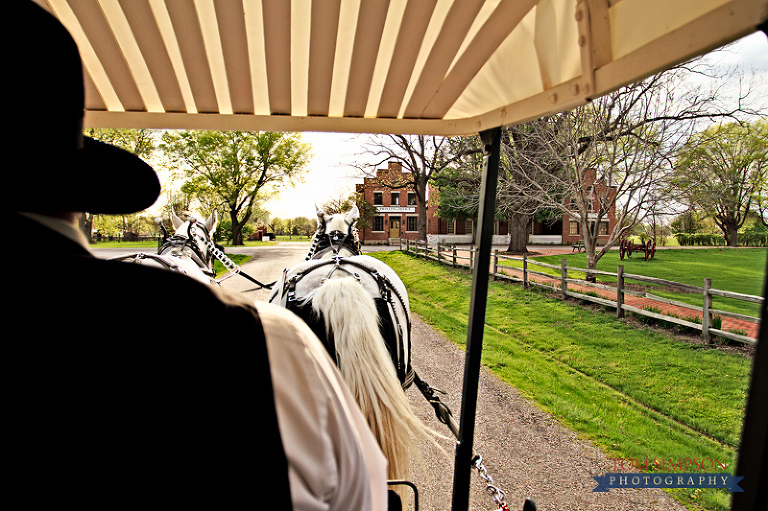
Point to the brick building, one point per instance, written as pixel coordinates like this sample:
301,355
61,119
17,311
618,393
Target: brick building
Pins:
397,213
397,216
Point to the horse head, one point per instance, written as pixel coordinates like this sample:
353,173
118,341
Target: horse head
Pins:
192,239
336,235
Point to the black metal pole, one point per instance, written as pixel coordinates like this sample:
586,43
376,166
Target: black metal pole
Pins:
464,451
752,463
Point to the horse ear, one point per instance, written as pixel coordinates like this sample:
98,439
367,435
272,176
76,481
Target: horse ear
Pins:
322,217
175,220
210,223
353,215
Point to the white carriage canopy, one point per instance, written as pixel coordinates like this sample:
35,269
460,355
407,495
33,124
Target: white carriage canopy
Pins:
447,67
443,67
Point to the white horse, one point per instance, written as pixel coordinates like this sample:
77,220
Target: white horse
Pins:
189,250
358,307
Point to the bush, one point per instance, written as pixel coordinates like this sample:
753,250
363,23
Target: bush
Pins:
700,239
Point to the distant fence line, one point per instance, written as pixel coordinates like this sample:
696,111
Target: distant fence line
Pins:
465,258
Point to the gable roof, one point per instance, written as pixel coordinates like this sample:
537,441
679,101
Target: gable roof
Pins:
376,66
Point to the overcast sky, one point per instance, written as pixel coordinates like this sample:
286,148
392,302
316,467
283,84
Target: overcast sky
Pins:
330,169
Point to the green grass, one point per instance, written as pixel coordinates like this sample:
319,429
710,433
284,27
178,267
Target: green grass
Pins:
238,259
636,393
740,270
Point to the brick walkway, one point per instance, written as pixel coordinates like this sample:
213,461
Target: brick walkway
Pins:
729,324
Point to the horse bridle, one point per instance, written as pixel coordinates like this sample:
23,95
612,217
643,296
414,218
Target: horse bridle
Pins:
181,243
324,242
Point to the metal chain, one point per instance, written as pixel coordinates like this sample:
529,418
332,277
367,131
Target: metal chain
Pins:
498,496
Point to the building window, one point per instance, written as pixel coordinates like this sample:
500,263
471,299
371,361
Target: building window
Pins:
411,198
395,199
378,223
574,228
603,229
412,223
470,226
378,198
451,226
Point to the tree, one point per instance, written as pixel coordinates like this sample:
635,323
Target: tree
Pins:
459,188
619,151
237,167
424,157
722,171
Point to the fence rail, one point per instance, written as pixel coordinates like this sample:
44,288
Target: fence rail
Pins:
605,295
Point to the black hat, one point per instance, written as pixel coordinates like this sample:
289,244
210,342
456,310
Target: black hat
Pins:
56,167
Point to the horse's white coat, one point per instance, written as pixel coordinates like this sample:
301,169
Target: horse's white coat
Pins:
343,292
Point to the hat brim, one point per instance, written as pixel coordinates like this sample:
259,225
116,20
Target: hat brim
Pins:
99,178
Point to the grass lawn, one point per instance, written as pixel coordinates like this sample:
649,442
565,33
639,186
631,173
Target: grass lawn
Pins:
636,393
740,270
238,259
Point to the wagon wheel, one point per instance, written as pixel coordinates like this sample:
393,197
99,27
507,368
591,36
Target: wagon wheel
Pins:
622,248
653,250
629,248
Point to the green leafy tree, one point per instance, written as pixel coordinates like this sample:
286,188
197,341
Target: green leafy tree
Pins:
236,169
722,171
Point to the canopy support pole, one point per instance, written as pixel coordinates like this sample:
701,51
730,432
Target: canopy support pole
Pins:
752,463
464,451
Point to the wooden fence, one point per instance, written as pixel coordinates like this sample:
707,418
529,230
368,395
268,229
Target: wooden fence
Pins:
606,295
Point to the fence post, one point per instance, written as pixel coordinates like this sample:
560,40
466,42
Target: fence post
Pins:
439,253
563,276
525,271
495,264
471,257
620,291
407,245
454,255
706,318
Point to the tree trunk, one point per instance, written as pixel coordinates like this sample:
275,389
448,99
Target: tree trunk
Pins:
421,199
732,233
237,230
591,265
518,233
422,221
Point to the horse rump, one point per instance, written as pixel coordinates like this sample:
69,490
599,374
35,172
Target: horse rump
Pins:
350,315
395,340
